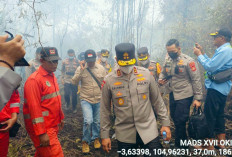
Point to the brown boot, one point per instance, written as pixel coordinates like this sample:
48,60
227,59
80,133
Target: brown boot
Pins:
97,143
221,137
85,147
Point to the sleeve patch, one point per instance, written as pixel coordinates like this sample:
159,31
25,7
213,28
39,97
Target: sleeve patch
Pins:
103,83
192,66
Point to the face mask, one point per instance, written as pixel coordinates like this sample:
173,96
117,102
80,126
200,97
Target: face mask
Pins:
71,57
103,59
127,69
173,55
143,63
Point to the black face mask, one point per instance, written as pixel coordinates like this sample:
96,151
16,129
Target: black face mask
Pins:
173,55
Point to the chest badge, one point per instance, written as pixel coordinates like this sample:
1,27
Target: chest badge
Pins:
181,62
48,84
119,93
120,101
117,83
144,96
141,79
139,75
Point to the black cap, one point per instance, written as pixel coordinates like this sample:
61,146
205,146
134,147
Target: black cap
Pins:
81,56
71,51
143,50
90,56
49,54
105,53
38,50
142,53
125,53
222,32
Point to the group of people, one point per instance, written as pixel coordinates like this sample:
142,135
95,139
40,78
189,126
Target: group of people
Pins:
132,89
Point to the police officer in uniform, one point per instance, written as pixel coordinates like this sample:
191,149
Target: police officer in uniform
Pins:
69,67
103,60
184,76
134,93
34,63
144,61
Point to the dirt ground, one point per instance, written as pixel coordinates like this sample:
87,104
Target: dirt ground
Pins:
70,138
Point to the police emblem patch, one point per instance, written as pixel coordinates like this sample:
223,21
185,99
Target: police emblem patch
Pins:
48,84
192,66
125,56
52,52
120,101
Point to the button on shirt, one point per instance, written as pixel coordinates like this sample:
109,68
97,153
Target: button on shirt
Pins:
221,60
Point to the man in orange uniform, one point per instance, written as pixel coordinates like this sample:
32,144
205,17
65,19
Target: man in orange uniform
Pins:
8,116
42,111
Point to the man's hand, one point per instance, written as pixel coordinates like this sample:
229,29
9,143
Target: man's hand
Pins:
61,125
197,51
9,123
162,81
44,140
13,50
196,104
82,64
106,144
168,131
199,47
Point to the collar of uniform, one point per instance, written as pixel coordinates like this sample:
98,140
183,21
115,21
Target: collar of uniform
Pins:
224,45
119,72
43,72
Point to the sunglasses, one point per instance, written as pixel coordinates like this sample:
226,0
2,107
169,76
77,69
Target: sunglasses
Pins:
53,62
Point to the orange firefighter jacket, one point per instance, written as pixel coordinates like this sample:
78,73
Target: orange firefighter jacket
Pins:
42,102
11,107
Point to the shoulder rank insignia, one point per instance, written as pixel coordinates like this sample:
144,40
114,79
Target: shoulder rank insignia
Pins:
119,73
135,70
192,66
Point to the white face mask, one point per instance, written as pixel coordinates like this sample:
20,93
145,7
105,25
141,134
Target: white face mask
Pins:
127,69
103,59
144,62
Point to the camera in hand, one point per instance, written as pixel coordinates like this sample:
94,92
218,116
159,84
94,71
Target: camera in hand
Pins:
22,61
